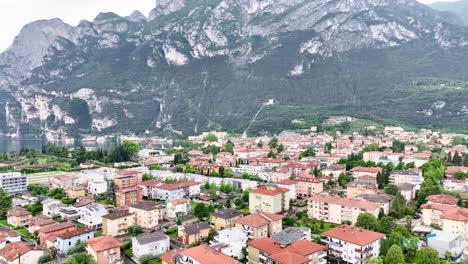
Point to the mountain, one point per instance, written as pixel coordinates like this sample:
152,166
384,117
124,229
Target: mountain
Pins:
195,65
459,8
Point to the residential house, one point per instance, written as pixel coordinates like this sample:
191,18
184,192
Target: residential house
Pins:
385,200
291,186
91,215
192,233
336,210
352,244
202,254
116,223
334,171
230,242
172,191
18,217
455,221
356,188
8,236
36,223
104,249
361,171
436,205
48,233
267,250
271,199
445,242
308,185
97,187
63,181
148,187
65,241
178,207
21,253
259,225
292,234
408,191
51,207
224,218
128,196
155,244
451,170
147,214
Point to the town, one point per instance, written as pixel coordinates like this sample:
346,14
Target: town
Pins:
379,196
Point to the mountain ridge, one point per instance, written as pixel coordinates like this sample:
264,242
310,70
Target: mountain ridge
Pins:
196,65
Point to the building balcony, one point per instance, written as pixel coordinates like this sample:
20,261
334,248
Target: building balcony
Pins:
331,243
364,251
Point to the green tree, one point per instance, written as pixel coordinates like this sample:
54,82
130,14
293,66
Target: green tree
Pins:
398,146
57,193
211,138
378,260
134,230
395,255
131,147
273,143
229,147
428,255
80,258
80,246
201,211
5,203
391,189
309,152
146,259
228,203
344,179
367,221
45,258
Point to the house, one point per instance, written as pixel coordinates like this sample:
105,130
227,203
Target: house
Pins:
451,170
62,182
334,171
408,191
202,254
412,176
259,225
361,171
14,182
385,200
455,221
445,242
291,186
192,233
91,215
230,242
35,224
97,187
8,236
308,185
224,218
267,250
352,244
104,249
356,188
155,244
291,235
178,207
271,199
147,214
18,217
51,207
116,223
148,187
128,196
21,253
336,210
434,208
172,191
76,192
65,241
51,231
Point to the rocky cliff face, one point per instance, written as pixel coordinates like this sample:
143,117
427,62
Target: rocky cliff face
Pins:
199,64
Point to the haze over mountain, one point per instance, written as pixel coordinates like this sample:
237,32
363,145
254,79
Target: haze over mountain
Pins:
459,8
194,65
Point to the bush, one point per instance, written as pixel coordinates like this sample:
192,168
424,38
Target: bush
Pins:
45,258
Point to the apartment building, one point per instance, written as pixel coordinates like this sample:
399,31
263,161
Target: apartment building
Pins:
13,182
308,185
352,244
192,233
104,249
116,223
336,210
260,225
361,171
412,176
147,214
18,217
270,199
224,218
128,196
291,186
358,187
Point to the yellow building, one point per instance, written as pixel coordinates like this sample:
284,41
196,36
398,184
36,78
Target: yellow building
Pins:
116,223
147,214
270,199
224,218
76,192
18,217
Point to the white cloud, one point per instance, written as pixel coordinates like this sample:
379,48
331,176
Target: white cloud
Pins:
14,14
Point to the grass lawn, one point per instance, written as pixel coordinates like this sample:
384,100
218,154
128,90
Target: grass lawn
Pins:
155,261
172,233
20,230
43,177
128,252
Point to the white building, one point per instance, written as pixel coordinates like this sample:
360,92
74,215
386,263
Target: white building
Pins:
97,187
51,207
414,177
446,242
230,242
178,207
352,244
153,244
291,186
263,172
91,215
14,182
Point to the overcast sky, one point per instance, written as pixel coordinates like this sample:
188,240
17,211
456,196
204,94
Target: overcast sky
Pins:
14,14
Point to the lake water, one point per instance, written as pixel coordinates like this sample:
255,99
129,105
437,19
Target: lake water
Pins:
9,144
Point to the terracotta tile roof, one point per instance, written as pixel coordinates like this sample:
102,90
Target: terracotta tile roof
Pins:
169,256
56,227
442,199
18,212
258,219
438,207
179,201
40,220
177,185
270,190
128,172
117,215
367,178
288,258
206,255
345,201
456,214
146,205
287,182
366,169
150,183
11,251
129,189
102,243
78,231
305,177
354,235
8,232
300,247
